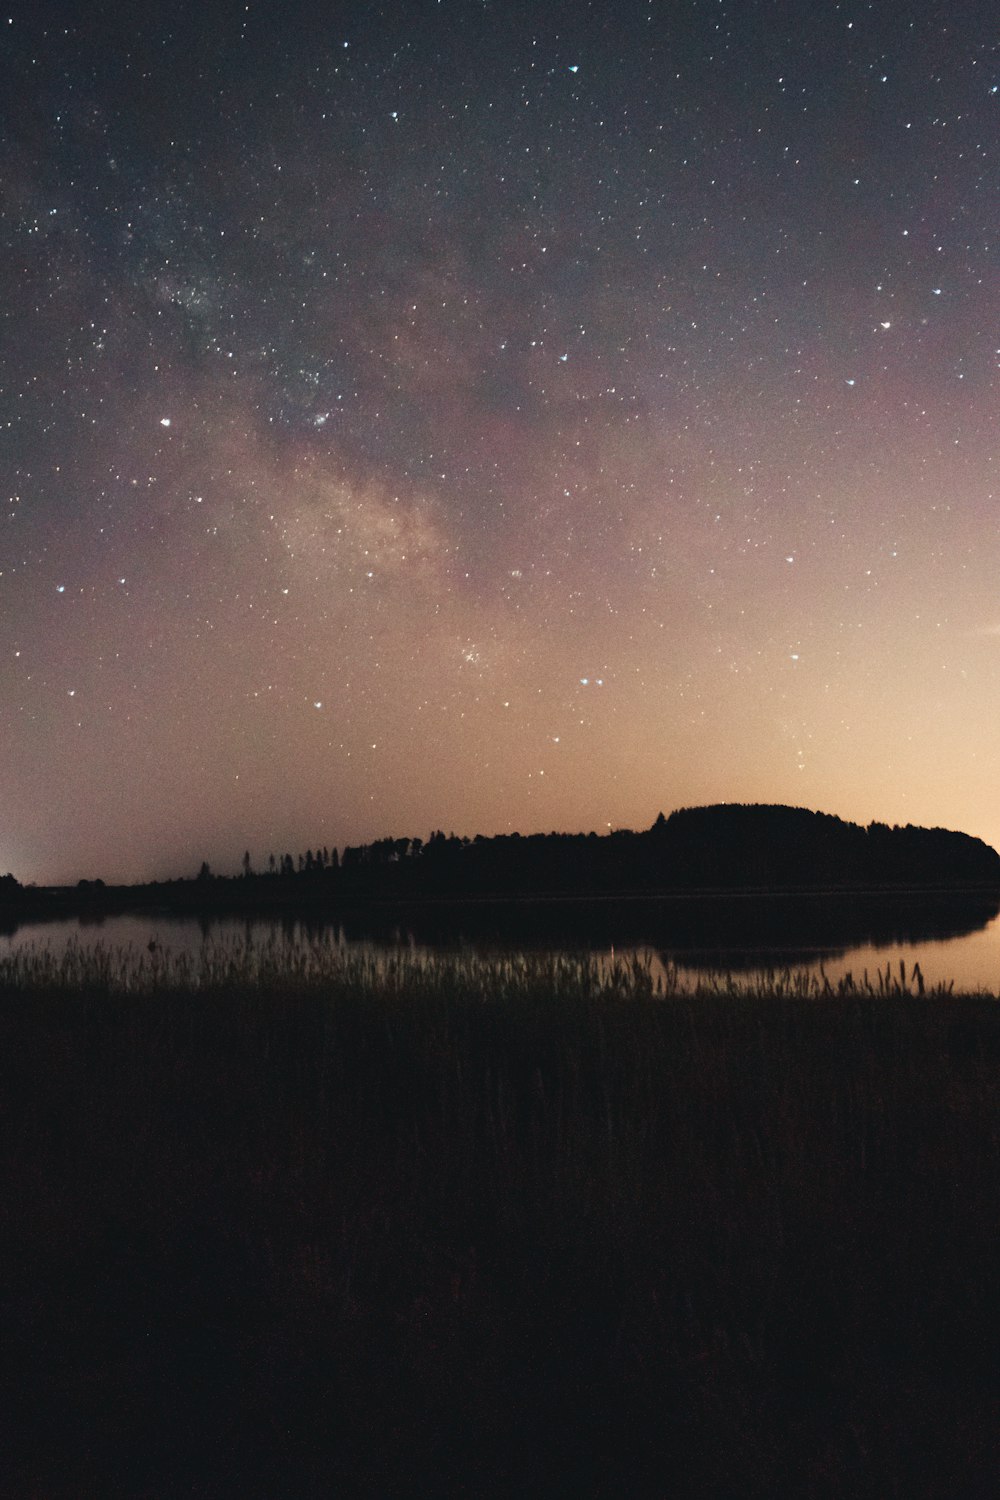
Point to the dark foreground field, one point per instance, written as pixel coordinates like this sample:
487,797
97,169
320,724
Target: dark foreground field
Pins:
494,1230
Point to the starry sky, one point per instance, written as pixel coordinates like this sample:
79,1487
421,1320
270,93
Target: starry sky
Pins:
492,416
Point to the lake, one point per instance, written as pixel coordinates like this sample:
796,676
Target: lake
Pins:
953,939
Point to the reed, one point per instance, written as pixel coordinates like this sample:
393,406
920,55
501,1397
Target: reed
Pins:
299,1222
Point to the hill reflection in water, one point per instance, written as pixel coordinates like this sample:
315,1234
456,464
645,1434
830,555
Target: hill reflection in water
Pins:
736,933
731,931
949,934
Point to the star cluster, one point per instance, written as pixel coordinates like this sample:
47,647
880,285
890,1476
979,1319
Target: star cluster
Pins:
490,416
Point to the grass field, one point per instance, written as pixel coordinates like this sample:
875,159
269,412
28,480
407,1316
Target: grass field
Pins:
488,1227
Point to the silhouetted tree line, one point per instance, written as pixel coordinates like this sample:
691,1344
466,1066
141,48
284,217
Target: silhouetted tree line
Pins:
730,845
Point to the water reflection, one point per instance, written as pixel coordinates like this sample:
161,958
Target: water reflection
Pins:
953,938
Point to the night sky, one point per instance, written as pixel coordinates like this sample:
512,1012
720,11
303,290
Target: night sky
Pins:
489,416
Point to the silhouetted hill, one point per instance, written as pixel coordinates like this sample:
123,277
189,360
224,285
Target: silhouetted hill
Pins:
752,848
723,847
758,845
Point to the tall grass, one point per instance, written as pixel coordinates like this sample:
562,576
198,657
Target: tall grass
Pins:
474,1225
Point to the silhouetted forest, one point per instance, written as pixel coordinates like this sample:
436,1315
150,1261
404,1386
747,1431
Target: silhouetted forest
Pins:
727,846
752,848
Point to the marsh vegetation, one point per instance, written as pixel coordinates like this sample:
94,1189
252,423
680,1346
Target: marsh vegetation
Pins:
489,1226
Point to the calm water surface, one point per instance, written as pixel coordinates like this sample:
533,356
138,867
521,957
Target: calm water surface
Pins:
970,961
